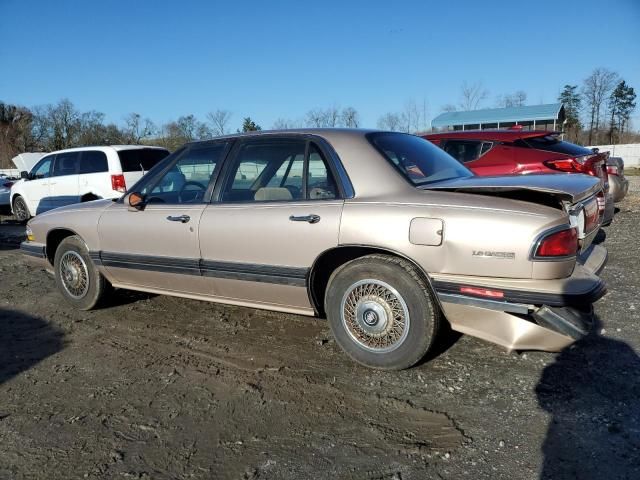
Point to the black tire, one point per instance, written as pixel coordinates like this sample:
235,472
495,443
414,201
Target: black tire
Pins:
80,276
21,210
393,285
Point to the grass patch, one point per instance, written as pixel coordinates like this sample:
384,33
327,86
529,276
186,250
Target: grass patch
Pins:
631,172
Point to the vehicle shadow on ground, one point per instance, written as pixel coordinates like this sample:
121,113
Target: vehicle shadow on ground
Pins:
592,392
122,296
25,340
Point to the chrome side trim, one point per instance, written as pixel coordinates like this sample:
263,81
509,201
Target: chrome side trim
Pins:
483,303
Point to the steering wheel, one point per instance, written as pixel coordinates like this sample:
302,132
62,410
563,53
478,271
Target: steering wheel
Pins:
184,186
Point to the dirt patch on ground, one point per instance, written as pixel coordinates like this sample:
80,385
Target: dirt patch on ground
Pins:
161,387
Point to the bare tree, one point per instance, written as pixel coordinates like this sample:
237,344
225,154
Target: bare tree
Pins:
472,95
219,121
516,99
596,89
285,124
390,121
449,107
350,117
316,118
137,128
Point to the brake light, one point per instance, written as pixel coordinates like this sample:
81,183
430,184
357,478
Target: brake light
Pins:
563,243
612,170
118,184
589,164
483,292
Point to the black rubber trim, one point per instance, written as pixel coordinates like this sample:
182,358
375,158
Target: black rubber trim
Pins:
255,272
530,298
249,272
33,250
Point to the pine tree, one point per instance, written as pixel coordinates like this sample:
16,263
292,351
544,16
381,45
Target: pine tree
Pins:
249,125
572,101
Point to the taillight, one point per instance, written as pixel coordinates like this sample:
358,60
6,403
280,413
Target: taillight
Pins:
612,170
563,243
118,184
588,164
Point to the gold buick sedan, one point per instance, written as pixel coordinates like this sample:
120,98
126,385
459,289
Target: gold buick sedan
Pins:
383,233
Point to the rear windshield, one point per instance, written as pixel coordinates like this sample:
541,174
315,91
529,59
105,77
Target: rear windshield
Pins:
141,159
417,159
551,143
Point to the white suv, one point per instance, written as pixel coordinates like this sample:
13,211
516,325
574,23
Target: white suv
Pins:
80,175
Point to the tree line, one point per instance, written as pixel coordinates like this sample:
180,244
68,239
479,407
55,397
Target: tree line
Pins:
598,111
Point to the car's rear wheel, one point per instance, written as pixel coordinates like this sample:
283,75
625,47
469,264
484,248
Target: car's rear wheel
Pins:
20,209
382,311
77,278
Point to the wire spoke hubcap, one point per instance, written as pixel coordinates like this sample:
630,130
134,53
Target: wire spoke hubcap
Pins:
375,315
74,274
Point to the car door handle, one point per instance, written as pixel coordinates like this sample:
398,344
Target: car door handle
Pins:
180,218
305,218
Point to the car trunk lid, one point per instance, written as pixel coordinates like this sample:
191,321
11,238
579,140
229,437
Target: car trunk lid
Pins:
575,194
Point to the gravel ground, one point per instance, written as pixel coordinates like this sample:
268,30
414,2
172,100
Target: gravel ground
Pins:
157,387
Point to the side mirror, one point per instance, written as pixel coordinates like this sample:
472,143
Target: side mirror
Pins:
24,175
136,201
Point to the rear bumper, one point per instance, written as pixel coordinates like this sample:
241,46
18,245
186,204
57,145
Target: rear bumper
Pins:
526,314
618,187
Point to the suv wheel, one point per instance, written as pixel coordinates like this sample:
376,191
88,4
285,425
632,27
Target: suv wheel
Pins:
77,277
382,312
20,209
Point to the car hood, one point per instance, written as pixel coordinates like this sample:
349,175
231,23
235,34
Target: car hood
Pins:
568,187
82,207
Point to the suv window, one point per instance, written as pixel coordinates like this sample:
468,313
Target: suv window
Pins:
66,164
141,159
271,171
43,168
551,143
417,159
94,161
467,150
188,179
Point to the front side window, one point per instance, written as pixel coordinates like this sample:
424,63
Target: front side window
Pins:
188,179
43,168
66,164
273,171
417,159
94,161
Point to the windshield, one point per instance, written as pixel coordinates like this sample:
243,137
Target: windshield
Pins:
417,159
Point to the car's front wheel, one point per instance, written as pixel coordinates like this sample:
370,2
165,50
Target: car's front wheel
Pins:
20,209
382,312
77,278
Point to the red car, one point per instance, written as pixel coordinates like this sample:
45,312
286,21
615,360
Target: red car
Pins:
514,151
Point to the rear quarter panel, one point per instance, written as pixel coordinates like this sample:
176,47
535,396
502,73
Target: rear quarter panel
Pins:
466,229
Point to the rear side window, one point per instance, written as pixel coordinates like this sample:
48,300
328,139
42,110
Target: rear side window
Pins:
66,164
467,150
141,159
551,143
93,162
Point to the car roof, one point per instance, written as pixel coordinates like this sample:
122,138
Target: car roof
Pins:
497,135
105,148
327,133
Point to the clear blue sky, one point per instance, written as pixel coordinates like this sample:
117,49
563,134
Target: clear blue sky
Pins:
276,59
